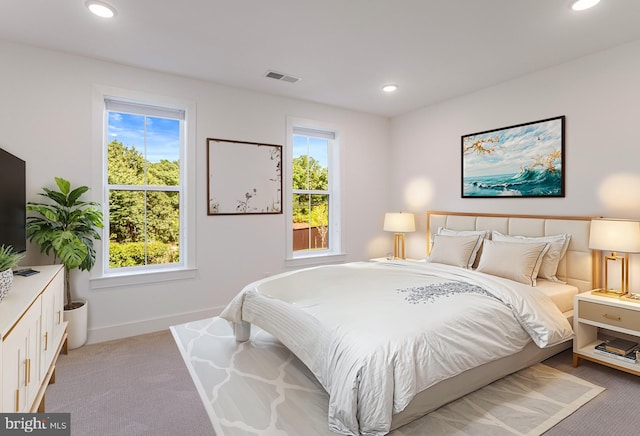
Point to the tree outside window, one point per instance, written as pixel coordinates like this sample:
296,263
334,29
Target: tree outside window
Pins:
143,180
311,194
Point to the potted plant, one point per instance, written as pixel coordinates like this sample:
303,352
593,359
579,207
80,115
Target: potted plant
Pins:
8,259
67,226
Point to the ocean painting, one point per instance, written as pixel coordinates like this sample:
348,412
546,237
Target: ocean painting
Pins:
525,160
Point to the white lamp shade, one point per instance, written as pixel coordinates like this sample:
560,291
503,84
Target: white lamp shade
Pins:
615,235
399,222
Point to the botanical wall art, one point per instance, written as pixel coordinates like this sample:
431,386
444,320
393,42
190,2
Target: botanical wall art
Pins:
525,160
244,177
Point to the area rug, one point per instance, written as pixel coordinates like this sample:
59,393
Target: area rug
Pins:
258,387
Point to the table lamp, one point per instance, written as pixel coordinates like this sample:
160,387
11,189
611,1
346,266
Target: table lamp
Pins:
615,235
399,223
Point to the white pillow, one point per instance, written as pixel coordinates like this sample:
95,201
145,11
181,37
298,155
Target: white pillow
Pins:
454,250
518,261
559,244
474,256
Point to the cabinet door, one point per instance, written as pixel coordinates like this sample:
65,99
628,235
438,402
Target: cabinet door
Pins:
56,287
20,350
47,334
52,321
14,361
34,356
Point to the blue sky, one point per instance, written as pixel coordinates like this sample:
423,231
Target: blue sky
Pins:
162,135
314,147
163,138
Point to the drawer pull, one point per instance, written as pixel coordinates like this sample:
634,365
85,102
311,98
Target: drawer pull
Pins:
613,317
17,400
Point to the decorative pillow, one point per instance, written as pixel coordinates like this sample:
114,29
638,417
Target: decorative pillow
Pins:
518,261
454,250
558,248
474,256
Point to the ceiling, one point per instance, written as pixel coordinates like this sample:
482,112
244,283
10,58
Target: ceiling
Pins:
343,50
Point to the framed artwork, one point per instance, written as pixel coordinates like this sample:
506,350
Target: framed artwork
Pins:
525,160
244,178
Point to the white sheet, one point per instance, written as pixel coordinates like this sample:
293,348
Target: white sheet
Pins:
560,293
372,350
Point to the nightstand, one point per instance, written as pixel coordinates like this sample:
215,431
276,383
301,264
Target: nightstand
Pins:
596,317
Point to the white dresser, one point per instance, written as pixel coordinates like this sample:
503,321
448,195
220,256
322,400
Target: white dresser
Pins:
33,333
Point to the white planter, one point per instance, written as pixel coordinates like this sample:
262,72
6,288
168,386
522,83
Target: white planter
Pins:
77,328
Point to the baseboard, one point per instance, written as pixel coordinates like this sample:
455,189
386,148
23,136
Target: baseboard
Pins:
119,331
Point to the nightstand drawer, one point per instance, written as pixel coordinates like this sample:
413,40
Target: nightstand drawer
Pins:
615,316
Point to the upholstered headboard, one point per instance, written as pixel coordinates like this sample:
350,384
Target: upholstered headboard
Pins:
579,267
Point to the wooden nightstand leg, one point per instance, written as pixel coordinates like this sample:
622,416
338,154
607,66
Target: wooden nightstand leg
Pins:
576,360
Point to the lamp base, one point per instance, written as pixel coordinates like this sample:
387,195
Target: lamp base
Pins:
608,293
398,246
624,278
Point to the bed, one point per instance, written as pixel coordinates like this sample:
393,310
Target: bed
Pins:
391,341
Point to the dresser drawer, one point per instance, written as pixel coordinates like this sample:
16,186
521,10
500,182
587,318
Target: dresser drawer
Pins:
611,315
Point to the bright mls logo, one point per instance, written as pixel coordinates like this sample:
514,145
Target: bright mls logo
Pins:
44,424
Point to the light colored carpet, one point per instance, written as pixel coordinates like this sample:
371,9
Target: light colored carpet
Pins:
260,388
136,386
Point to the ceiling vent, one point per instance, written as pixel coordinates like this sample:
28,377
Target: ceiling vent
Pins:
282,77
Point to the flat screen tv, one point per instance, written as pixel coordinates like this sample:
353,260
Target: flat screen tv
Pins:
12,201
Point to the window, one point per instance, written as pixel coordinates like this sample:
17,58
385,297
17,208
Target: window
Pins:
314,192
144,187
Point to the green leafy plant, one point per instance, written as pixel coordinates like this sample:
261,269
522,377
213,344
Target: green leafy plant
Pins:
141,253
67,226
8,258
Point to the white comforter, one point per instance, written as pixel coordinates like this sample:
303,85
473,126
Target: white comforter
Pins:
373,350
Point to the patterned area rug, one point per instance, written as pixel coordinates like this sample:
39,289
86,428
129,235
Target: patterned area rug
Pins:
260,388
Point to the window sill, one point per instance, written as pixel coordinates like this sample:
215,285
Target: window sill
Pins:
316,259
139,278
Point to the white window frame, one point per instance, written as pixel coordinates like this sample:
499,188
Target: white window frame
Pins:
101,275
334,253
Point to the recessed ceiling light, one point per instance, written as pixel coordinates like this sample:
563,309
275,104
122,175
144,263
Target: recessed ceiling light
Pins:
581,5
391,87
101,9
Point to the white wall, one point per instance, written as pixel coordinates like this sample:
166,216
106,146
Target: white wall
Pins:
45,118
600,97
